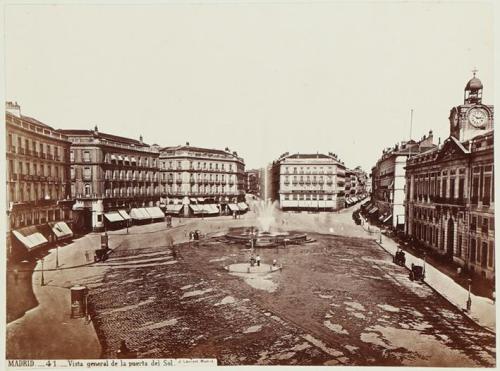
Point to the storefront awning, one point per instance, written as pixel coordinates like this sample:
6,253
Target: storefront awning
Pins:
194,200
155,212
201,199
113,157
243,206
174,208
139,214
374,210
133,159
113,217
233,207
124,214
210,209
126,159
120,158
30,237
61,230
197,209
381,217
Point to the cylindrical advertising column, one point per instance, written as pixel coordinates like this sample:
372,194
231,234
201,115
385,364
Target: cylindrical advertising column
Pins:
78,301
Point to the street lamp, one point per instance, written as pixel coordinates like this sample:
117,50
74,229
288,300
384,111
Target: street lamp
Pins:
469,301
424,265
380,236
57,256
42,283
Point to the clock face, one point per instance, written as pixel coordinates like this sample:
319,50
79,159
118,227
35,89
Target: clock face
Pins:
478,117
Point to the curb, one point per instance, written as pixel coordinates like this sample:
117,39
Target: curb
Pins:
464,313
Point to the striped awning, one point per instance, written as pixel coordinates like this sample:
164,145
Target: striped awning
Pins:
174,208
113,216
243,206
30,237
61,230
124,214
233,207
155,212
139,214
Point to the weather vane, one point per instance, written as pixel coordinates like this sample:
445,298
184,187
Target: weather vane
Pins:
474,70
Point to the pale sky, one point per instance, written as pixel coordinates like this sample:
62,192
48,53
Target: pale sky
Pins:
260,78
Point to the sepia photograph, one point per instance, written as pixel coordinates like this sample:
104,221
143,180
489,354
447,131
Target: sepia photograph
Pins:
249,183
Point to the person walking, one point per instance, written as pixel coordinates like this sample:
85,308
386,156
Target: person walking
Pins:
87,258
257,259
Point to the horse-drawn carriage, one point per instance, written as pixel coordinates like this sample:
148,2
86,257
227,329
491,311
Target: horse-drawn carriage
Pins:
399,258
102,253
417,273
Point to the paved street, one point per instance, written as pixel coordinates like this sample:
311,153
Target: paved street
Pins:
339,300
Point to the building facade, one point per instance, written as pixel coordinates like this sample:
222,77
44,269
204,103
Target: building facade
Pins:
194,176
388,181
109,173
450,203
253,182
37,174
308,182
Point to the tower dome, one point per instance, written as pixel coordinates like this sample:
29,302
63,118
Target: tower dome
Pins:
473,90
474,84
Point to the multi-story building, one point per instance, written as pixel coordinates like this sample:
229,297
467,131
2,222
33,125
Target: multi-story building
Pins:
308,182
38,194
450,199
388,181
355,186
202,181
253,182
110,173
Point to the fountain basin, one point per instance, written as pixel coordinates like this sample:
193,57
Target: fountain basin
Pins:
265,239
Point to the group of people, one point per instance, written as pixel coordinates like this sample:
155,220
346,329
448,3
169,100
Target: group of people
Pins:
255,260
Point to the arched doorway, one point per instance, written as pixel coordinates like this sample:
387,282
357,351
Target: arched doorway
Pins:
450,239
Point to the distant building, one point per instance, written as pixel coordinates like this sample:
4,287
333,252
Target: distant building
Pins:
308,182
110,174
201,181
38,193
450,202
388,181
253,182
355,186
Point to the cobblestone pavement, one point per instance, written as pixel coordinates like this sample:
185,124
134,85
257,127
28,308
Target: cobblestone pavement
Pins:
337,301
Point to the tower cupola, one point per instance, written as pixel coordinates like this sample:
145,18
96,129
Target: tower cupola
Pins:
473,91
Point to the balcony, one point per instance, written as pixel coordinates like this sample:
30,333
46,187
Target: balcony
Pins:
448,200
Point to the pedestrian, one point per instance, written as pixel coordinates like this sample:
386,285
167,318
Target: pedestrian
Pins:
274,262
87,257
258,260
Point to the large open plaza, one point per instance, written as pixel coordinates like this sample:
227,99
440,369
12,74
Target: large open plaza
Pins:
337,300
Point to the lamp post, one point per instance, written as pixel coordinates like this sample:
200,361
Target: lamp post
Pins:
57,256
424,265
42,283
469,301
380,236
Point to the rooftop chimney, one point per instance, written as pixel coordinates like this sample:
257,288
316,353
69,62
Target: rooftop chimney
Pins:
187,143
140,138
13,108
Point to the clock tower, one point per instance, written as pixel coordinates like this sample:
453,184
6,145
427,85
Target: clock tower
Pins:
473,117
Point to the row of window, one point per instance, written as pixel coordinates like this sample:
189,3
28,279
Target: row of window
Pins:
35,168
451,184
86,156
308,170
198,189
199,177
32,146
435,236
307,197
172,165
34,217
26,192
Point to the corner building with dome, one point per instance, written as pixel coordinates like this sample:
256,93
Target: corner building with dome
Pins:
450,198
